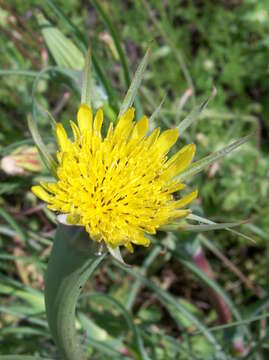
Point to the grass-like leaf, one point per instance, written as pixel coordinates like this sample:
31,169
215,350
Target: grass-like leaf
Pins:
9,219
82,43
212,223
170,302
86,82
18,72
64,52
129,321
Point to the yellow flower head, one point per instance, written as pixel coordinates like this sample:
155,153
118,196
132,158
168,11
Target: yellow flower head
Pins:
121,186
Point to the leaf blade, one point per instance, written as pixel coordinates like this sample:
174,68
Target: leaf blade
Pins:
131,93
86,83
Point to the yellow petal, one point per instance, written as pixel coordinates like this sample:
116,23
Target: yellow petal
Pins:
41,193
109,132
180,214
125,126
153,137
73,219
166,140
84,118
140,128
49,187
98,121
129,246
62,138
174,187
140,239
75,130
179,162
185,200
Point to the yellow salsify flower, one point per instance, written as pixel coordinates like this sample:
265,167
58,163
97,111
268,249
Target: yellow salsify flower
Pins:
119,187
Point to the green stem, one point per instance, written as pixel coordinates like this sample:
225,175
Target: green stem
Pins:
73,259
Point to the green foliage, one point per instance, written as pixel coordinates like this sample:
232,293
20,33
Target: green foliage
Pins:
164,307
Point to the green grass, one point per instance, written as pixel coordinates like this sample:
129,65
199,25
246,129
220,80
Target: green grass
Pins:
167,305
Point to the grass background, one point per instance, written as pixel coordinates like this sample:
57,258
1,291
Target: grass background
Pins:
190,295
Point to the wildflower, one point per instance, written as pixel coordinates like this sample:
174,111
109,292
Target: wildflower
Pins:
21,161
119,187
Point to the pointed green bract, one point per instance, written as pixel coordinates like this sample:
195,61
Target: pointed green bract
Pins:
228,228
156,111
115,252
200,228
131,93
194,114
46,157
199,165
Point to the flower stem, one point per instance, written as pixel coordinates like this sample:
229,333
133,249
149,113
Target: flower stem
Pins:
73,259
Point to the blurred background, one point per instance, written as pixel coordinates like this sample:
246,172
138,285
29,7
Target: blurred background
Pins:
190,295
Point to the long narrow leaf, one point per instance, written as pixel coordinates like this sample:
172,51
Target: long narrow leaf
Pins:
129,321
19,72
143,269
82,43
201,228
22,357
86,83
64,52
5,215
210,222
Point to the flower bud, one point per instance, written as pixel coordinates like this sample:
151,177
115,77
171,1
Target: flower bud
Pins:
21,161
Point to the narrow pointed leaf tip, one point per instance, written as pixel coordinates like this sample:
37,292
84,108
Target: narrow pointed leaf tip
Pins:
195,113
86,81
135,84
199,165
62,219
228,227
115,252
